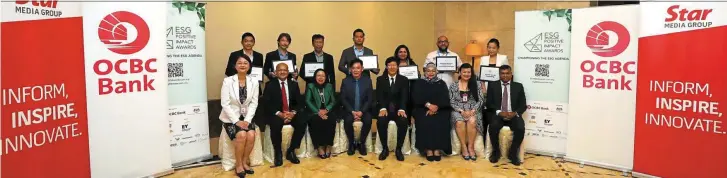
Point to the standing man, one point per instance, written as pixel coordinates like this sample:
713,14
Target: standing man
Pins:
281,101
318,56
256,58
356,96
358,49
392,97
506,105
443,50
281,53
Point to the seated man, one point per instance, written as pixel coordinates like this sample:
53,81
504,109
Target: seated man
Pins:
506,105
392,95
281,104
356,97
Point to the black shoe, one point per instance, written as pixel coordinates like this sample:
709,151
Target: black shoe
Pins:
466,158
278,160
438,158
494,157
384,154
430,158
351,148
399,155
362,149
514,160
473,158
323,156
250,171
328,155
290,156
240,174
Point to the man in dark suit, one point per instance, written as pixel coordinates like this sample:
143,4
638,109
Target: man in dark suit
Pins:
506,105
318,56
248,41
392,95
356,97
281,53
282,105
358,49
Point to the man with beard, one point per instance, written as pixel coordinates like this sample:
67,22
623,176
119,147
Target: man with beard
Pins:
443,45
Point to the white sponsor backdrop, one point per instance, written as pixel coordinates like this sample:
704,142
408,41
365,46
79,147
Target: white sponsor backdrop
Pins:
126,129
542,51
601,120
185,41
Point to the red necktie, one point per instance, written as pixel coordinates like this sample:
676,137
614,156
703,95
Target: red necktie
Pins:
285,98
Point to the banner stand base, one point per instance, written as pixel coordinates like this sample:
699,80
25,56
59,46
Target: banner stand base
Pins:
163,173
624,171
638,174
545,153
191,161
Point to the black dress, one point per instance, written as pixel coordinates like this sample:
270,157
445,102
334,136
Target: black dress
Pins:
433,131
232,128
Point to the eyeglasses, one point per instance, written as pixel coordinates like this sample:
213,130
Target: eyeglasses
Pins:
445,41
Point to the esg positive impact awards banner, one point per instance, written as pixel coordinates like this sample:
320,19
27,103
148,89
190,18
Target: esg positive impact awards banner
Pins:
542,57
681,130
44,125
187,83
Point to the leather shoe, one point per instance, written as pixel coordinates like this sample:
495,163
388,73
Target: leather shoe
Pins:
278,160
362,149
384,154
351,149
399,155
495,157
514,160
250,171
430,158
438,158
290,156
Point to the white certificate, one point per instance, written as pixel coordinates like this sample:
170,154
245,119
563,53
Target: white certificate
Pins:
489,73
446,63
409,71
370,62
257,73
291,66
310,68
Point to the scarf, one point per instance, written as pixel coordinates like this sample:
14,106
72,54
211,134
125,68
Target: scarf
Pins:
433,79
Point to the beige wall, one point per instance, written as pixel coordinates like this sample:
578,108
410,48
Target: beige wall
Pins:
387,24
465,21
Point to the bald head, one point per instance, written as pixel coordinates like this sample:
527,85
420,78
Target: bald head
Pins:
281,71
443,43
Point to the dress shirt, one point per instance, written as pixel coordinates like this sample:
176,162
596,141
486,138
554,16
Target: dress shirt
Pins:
249,55
358,52
283,56
319,57
287,94
509,94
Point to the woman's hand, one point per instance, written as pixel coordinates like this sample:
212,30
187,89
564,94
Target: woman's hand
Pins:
242,124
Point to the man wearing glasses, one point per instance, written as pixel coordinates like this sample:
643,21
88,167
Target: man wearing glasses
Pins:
443,50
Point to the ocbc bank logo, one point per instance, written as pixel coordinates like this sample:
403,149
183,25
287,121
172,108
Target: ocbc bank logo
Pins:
600,38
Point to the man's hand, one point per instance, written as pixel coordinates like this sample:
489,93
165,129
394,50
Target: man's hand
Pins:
286,121
401,114
383,113
295,74
502,114
242,124
281,115
434,108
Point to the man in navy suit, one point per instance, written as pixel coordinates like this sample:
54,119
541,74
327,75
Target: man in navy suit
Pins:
356,96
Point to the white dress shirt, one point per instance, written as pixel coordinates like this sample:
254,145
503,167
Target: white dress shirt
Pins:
249,55
509,94
448,77
287,94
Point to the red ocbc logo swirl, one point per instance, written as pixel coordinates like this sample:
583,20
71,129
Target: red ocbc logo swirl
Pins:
123,32
601,42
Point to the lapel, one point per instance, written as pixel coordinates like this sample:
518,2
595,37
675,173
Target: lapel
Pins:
498,96
236,89
511,92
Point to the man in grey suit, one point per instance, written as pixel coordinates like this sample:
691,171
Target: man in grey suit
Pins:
358,49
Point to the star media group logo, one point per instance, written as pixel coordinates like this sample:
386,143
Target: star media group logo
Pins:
123,32
608,39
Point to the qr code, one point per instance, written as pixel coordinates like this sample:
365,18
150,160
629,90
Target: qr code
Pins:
175,69
542,70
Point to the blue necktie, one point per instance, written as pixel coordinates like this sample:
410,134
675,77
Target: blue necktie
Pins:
357,104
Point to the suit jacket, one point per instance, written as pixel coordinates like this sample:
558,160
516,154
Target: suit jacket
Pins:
327,66
516,93
348,55
275,56
348,94
500,60
398,94
257,61
313,99
232,108
273,99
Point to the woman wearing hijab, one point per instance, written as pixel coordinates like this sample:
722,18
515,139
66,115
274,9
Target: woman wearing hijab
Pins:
239,100
466,101
402,54
432,111
320,99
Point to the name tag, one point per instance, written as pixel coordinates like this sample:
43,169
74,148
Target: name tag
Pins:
464,97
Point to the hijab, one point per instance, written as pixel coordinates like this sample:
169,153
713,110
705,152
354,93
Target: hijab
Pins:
325,81
433,79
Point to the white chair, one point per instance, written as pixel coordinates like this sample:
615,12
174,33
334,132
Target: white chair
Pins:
226,149
340,142
357,134
505,139
306,149
391,138
457,148
412,132
287,135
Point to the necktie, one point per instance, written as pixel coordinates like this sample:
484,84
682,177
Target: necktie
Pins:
285,97
356,105
392,82
505,96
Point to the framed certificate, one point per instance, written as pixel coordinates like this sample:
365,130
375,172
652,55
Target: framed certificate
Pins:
257,73
489,73
291,66
409,71
370,62
446,63
311,67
